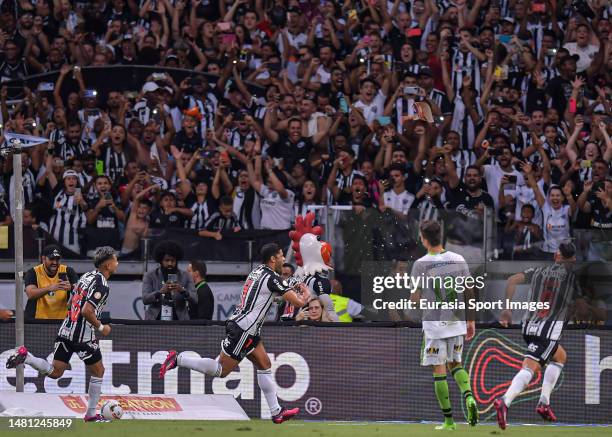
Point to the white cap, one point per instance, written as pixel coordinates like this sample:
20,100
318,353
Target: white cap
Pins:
150,87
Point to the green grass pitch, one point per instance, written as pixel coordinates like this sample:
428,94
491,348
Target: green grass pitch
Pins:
264,428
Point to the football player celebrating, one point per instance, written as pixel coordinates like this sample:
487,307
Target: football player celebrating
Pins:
243,330
557,286
78,331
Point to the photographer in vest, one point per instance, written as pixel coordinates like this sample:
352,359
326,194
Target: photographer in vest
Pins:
48,286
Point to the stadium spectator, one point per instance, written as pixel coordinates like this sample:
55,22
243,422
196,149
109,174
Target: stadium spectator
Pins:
224,220
167,291
292,111
205,308
313,311
48,286
347,309
104,216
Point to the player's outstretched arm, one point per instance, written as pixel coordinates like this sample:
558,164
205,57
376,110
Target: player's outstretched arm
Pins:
295,299
89,314
505,318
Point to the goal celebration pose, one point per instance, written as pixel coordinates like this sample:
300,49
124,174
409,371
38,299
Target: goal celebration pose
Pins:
443,331
556,285
243,330
77,333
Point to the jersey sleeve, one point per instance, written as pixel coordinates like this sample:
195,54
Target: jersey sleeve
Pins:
30,278
278,285
529,274
97,293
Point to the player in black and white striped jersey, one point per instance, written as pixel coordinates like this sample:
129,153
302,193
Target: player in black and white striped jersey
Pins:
557,287
262,286
77,333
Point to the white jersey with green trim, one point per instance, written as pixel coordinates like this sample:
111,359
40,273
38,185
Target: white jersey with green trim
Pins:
436,271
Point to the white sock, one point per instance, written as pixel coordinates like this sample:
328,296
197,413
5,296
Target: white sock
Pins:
207,366
551,375
268,387
520,381
40,364
95,388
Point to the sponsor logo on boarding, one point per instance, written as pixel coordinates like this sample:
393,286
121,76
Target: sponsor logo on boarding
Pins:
131,404
313,406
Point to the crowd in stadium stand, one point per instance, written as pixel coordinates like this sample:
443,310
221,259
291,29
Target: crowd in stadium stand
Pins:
520,92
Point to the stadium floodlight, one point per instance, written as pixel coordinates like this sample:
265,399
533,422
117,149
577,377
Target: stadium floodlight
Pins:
15,144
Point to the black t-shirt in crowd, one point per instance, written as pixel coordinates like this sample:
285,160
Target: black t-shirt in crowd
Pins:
105,230
290,152
187,144
464,222
160,220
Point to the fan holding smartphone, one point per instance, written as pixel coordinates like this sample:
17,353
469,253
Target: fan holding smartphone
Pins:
48,286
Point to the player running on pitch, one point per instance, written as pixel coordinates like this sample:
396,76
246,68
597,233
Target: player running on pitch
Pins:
77,333
443,331
243,330
556,285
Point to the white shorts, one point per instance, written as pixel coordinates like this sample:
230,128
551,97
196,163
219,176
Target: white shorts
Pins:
437,351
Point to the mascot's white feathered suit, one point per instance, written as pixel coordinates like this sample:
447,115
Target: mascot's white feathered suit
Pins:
313,258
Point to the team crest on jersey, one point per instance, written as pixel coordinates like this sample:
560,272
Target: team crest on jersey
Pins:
97,295
285,283
532,347
226,342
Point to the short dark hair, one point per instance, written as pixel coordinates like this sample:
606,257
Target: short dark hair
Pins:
226,201
199,266
529,206
473,167
268,251
167,247
397,167
431,231
290,266
103,254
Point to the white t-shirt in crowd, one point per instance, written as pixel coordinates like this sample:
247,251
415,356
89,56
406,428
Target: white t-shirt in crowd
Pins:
276,212
374,109
493,175
556,226
587,54
399,202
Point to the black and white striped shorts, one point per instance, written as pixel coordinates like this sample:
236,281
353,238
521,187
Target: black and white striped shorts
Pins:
238,343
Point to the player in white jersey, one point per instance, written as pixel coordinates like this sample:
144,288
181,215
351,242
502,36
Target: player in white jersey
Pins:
243,328
77,333
443,329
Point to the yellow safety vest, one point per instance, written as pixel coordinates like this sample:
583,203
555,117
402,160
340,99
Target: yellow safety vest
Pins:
52,305
341,307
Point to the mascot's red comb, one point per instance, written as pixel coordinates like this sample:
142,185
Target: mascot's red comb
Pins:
303,225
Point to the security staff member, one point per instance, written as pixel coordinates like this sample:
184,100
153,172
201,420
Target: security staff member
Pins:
48,286
205,308
345,308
